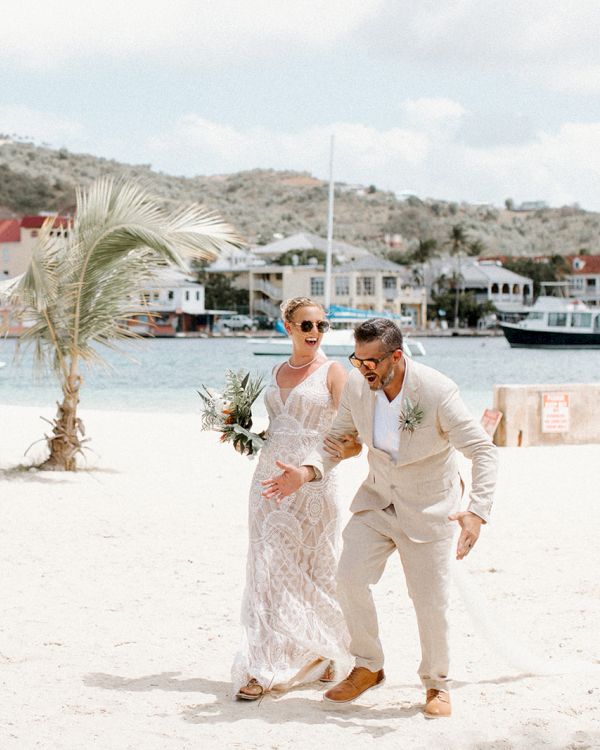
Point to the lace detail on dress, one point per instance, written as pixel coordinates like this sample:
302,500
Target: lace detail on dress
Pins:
289,612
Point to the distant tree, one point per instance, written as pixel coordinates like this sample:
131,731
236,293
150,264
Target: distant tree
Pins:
509,204
401,257
458,244
426,250
469,310
221,294
475,248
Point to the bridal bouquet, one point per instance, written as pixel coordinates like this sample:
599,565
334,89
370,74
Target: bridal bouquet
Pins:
230,412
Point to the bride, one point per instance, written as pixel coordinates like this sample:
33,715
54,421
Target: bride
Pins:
293,626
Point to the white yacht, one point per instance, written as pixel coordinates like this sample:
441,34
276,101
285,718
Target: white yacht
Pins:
556,323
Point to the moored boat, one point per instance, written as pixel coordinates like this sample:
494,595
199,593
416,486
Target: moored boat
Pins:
556,323
336,343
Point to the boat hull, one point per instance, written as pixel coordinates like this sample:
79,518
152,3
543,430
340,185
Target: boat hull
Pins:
526,337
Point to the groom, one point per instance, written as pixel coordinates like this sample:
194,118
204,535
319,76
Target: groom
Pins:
413,421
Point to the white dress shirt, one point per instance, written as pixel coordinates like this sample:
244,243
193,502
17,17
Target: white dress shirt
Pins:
386,421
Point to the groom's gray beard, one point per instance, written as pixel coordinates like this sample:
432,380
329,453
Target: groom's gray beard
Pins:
388,379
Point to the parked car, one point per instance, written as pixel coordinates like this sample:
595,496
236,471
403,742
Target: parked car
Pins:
238,323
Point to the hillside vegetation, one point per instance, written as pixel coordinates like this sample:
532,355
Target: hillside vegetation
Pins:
263,202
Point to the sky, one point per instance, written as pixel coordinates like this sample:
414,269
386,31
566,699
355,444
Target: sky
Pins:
472,100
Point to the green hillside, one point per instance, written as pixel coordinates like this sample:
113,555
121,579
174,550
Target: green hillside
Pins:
263,202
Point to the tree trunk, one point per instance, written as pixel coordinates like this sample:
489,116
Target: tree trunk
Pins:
456,299
67,430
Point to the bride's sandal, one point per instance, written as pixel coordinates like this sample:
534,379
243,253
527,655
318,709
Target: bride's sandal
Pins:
252,691
329,673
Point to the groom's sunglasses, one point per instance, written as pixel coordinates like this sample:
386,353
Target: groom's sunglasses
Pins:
370,363
306,326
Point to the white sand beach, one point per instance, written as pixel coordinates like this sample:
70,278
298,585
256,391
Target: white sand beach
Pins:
121,589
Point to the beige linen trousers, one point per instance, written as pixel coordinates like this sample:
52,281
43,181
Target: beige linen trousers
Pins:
404,505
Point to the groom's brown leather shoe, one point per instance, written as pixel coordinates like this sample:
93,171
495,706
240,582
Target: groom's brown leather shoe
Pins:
358,681
437,704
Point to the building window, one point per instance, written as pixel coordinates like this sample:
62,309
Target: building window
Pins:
171,294
591,283
365,286
155,296
342,286
505,289
516,289
390,282
495,289
557,319
197,296
317,286
34,232
187,296
577,283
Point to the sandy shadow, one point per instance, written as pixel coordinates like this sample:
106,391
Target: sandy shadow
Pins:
273,708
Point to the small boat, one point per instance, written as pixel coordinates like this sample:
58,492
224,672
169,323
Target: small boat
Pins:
336,343
556,323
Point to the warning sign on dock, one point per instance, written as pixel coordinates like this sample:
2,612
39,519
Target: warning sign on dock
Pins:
555,412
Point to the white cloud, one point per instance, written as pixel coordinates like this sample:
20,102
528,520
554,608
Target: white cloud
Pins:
544,41
560,167
47,34
40,126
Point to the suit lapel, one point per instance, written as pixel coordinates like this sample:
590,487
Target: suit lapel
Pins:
411,394
368,399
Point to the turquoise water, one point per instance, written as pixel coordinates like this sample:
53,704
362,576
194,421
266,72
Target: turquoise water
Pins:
164,374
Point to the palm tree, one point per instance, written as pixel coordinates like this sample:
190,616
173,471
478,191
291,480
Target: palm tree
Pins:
458,243
80,290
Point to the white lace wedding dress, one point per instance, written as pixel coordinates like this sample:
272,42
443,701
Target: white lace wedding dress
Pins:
290,614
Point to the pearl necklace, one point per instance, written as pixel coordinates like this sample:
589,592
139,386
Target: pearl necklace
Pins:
301,367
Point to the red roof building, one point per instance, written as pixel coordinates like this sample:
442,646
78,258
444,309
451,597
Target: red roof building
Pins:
36,222
584,278
584,265
10,231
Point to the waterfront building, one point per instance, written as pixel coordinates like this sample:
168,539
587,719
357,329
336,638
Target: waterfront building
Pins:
175,304
488,280
584,278
18,238
367,283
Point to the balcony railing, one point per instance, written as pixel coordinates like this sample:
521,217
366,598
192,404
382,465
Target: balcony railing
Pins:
269,289
265,306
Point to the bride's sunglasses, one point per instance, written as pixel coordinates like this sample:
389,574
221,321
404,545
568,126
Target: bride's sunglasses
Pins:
306,326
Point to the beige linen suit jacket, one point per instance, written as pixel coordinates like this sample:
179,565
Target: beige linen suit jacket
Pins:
424,484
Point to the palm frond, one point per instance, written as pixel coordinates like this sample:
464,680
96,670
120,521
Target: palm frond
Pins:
81,292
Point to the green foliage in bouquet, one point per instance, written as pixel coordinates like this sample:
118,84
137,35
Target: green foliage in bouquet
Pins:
230,413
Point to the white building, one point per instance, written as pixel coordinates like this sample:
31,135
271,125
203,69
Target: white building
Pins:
302,241
584,278
487,279
367,283
175,304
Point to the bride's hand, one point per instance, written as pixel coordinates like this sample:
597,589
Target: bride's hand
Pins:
282,485
346,446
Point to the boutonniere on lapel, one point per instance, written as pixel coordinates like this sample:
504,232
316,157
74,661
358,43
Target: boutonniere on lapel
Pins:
411,416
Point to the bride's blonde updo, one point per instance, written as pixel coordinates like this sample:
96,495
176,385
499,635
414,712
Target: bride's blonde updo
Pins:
289,306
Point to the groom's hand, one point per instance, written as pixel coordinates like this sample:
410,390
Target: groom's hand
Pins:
292,478
470,525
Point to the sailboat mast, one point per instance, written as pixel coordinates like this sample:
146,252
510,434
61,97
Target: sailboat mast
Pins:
329,232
